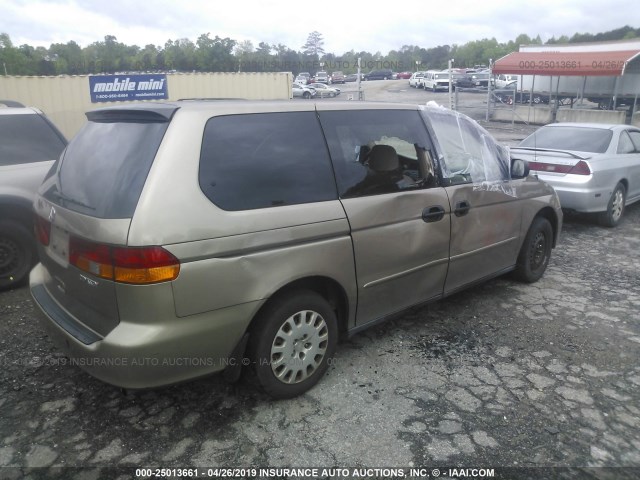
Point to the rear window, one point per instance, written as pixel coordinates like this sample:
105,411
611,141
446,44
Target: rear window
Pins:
265,160
105,167
594,140
27,139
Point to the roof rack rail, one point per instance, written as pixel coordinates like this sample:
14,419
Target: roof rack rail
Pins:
11,104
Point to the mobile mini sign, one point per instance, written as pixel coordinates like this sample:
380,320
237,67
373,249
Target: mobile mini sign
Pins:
127,88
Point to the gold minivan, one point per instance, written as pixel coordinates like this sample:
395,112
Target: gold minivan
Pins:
193,237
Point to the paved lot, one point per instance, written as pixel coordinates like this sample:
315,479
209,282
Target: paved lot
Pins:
501,375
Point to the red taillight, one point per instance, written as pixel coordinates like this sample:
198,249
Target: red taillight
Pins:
144,265
91,257
43,230
136,265
580,168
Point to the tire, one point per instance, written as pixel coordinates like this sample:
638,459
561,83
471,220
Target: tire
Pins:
537,99
535,252
17,254
306,95
615,208
332,94
277,350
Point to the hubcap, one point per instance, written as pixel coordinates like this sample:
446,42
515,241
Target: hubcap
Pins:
299,346
617,205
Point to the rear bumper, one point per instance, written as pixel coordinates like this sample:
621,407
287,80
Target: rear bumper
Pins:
159,349
579,193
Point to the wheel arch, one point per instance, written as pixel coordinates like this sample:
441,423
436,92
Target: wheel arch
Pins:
18,210
551,215
326,287
625,184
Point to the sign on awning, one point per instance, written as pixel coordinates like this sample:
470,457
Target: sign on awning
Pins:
611,63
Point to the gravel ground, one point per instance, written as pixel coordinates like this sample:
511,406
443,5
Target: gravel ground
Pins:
504,375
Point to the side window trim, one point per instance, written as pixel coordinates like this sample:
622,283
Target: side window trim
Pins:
625,138
635,139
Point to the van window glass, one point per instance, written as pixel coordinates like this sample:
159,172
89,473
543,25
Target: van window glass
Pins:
469,153
265,160
105,167
27,139
378,151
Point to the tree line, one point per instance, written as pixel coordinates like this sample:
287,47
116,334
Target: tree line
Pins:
218,54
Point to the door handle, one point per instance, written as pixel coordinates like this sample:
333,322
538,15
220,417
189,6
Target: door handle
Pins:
432,214
462,208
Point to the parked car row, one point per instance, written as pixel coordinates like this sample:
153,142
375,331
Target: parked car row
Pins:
305,78
437,80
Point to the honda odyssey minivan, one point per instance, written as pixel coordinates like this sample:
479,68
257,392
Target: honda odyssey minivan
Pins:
186,238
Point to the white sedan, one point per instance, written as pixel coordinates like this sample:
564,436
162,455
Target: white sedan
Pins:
594,168
323,90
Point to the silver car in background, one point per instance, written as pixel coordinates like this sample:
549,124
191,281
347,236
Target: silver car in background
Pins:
302,91
595,168
29,144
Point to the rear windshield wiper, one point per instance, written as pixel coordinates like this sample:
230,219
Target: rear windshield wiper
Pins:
64,198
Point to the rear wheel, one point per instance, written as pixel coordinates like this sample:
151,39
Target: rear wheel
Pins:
536,251
615,208
17,254
292,343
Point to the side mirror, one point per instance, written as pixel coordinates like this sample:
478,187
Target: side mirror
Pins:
519,168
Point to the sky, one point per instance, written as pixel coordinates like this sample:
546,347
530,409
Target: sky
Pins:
373,26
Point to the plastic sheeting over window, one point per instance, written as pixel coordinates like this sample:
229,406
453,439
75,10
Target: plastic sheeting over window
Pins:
468,153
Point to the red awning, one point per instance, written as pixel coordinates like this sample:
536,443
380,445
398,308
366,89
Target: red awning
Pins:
610,64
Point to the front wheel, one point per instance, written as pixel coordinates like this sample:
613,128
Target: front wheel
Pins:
615,208
17,254
292,343
535,252
306,95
